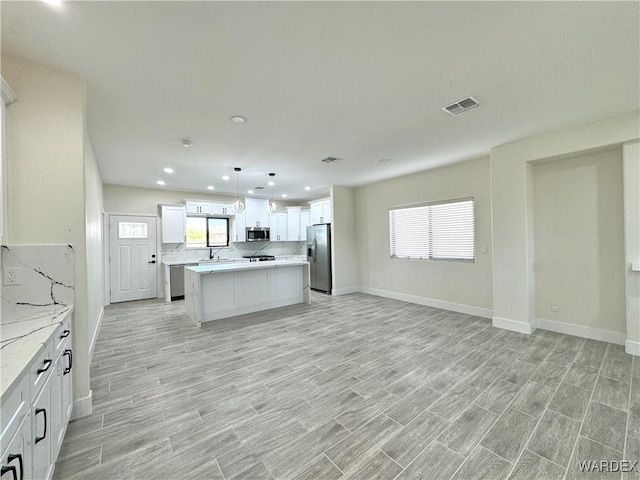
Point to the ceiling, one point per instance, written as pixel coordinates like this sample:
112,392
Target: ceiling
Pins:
361,81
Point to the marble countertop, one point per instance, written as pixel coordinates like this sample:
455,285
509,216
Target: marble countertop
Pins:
23,334
229,267
190,262
224,261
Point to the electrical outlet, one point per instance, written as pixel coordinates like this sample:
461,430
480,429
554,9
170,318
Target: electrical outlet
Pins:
554,306
11,276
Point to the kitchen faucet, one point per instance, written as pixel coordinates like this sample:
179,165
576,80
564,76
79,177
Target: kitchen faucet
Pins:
211,254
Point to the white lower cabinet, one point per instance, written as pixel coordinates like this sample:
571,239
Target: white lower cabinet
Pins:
37,411
67,389
42,417
16,463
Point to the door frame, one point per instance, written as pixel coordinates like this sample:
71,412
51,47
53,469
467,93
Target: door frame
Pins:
107,248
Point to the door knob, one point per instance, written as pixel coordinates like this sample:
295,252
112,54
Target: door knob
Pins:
152,261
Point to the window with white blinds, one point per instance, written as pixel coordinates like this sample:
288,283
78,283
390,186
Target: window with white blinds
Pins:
436,231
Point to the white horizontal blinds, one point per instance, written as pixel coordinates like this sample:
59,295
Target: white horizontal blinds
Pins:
409,230
441,231
452,231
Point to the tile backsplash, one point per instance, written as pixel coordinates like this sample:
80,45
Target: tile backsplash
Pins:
173,252
46,277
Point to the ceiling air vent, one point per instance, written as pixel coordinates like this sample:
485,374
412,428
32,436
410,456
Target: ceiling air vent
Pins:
330,160
461,106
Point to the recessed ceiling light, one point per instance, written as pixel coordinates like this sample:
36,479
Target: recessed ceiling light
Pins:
186,143
168,170
161,182
210,187
384,160
55,3
271,184
249,192
307,188
284,195
225,177
238,119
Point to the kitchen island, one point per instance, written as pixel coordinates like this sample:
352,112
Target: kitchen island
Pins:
213,292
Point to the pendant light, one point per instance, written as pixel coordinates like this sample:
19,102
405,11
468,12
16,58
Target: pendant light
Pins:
238,206
272,206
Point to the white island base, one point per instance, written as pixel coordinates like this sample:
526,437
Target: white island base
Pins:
213,292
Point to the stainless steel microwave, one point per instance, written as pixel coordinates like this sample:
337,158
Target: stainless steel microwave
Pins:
257,234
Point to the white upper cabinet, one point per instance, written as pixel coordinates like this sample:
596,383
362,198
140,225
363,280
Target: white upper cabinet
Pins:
320,211
293,223
199,207
305,221
239,223
257,212
278,226
222,209
174,223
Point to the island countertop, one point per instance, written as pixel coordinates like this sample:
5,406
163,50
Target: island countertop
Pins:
214,292
234,267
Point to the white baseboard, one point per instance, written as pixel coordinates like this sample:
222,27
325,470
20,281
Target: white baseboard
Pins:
82,406
344,291
582,331
429,302
513,325
632,348
95,334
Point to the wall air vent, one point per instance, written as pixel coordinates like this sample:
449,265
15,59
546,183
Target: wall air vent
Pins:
461,106
330,160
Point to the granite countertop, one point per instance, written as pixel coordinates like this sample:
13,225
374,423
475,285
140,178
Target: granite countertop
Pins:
228,267
23,334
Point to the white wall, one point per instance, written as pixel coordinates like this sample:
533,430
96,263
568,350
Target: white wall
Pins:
579,241
45,183
94,244
344,261
512,209
458,286
122,199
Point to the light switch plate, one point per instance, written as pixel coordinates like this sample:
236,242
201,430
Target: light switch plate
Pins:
11,275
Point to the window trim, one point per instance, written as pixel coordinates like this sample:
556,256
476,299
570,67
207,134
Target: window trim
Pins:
427,204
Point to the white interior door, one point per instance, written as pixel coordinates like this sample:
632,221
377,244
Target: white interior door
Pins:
132,258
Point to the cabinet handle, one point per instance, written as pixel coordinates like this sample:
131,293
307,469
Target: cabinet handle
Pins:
44,435
7,470
65,333
13,457
68,353
47,363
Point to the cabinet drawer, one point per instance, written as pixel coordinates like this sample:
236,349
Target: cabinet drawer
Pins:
41,368
15,407
62,336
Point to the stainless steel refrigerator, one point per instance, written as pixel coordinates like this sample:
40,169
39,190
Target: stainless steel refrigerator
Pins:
319,256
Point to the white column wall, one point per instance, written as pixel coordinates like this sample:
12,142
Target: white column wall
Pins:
631,175
512,210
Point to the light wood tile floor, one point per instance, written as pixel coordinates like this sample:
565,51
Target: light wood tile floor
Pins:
357,387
